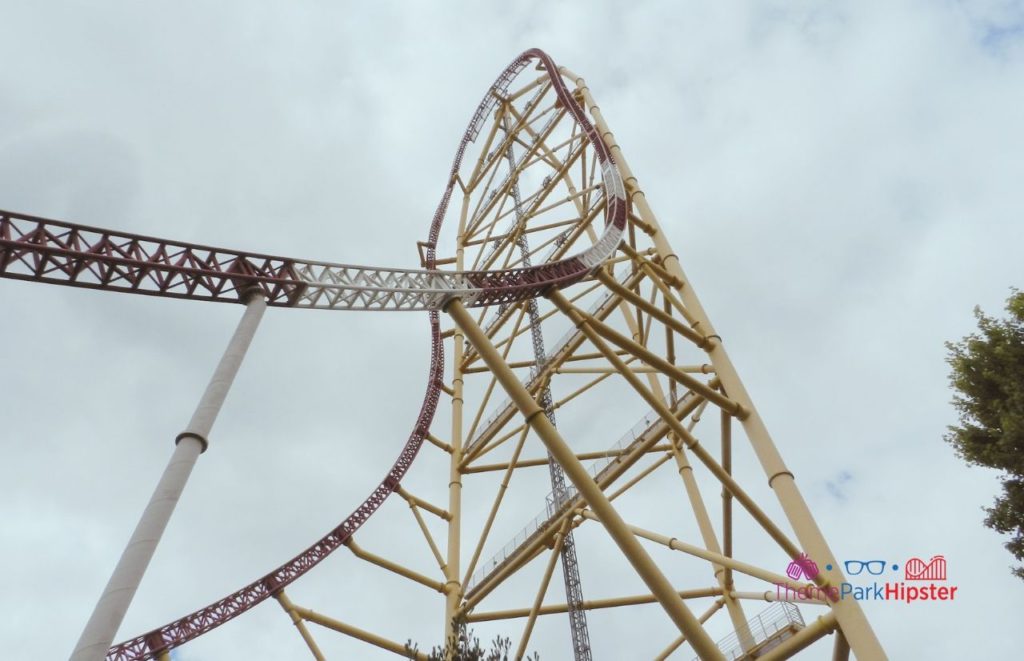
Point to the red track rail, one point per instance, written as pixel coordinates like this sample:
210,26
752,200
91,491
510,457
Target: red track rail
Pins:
500,288
193,625
49,251
57,252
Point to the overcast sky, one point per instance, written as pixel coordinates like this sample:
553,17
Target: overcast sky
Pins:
841,180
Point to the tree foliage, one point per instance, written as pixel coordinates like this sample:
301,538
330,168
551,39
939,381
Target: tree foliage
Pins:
464,646
988,379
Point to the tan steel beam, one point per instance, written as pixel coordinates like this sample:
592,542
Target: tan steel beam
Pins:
453,553
471,356
651,309
715,607
552,364
841,648
530,463
705,554
583,322
544,192
357,633
640,336
429,537
495,443
653,359
517,364
498,497
591,604
689,369
850,616
773,595
289,608
439,443
392,566
490,387
585,485
707,532
641,475
821,627
541,591
605,480
726,437
413,500
523,558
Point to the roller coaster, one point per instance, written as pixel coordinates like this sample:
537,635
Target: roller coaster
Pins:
548,234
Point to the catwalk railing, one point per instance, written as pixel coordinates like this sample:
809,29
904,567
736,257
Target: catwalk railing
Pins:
503,412
556,505
779,621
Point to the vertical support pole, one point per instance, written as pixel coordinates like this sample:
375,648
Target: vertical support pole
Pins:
120,590
743,631
726,494
700,512
453,586
848,612
841,648
453,557
585,485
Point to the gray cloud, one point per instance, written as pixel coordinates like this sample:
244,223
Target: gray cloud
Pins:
841,180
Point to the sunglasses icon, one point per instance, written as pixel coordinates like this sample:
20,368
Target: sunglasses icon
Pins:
874,567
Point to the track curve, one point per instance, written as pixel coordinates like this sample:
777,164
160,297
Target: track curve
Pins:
58,252
292,283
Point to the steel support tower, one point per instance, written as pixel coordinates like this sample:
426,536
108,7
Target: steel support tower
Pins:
551,289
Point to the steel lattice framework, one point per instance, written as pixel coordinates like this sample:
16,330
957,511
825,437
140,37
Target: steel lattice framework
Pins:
542,232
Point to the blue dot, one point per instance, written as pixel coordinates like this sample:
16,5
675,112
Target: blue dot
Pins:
895,566
828,567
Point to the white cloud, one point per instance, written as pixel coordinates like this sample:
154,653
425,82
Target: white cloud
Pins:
841,180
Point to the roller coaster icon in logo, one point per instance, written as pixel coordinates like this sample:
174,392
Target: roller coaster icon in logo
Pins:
917,569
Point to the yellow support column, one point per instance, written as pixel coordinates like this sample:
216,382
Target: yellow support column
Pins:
588,489
821,627
453,557
848,612
289,608
357,633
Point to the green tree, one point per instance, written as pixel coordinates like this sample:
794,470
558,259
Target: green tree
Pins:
988,378
464,646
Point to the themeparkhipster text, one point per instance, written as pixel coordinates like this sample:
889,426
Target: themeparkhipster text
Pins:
924,581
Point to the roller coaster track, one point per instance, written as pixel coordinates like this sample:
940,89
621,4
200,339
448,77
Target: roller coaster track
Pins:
56,252
521,238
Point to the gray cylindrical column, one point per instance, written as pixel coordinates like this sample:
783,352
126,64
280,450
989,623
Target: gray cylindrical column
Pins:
113,603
